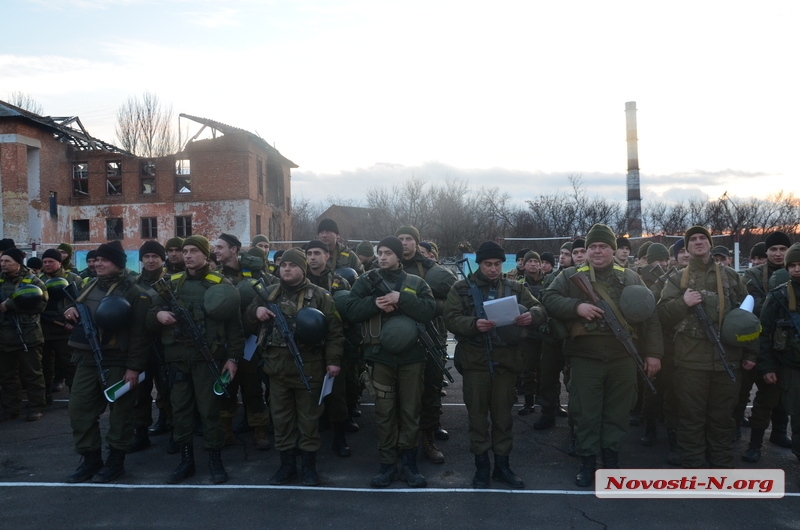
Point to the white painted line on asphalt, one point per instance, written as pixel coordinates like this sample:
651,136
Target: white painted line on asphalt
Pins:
295,488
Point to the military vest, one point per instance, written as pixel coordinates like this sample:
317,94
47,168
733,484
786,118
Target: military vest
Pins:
371,329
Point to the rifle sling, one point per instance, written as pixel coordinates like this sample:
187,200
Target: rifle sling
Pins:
604,295
720,289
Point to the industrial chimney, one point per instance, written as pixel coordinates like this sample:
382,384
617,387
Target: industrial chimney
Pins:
634,214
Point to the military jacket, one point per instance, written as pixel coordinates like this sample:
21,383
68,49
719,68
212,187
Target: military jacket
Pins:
329,281
779,343
52,319
416,301
344,257
461,320
225,338
692,347
757,281
278,361
129,346
28,318
439,279
594,339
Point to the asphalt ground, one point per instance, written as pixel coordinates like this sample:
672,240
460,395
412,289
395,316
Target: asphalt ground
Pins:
36,457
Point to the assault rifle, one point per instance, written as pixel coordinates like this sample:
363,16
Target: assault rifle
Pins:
426,333
189,329
794,318
480,312
14,322
86,322
620,332
260,288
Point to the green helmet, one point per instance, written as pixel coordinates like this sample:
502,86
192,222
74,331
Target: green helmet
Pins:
637,303
338,298
55,287
221,301
348,274
250,262
311,326
28,296
740,327
513,334
398,334
779,277
247,292
112,313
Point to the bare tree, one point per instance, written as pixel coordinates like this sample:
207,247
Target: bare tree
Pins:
304,218
145,126
25,101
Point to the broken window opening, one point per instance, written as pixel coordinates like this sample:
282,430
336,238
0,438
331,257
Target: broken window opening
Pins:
114,229
80,230
80,179
149,228
148,177
114,178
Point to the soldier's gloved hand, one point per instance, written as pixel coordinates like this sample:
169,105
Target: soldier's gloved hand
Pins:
264,314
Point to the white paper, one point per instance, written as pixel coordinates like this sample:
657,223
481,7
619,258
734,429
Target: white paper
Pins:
327,386
502,311
118,389
748,303
250,347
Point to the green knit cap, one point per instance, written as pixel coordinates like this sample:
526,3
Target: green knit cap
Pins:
531,254
642,252
297,256
567,246
601,233
175,242
792,255
696,229
66,247
200,242
365,249
657,252
260,238
409,230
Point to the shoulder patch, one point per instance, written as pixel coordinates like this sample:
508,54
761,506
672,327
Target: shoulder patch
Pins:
213,277
618,268
344,253
410,290
176,276
582,268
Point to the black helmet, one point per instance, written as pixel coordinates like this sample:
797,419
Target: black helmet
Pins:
55,287
348,274
28,296
112,313
311,326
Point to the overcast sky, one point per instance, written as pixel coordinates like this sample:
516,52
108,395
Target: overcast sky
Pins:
517,95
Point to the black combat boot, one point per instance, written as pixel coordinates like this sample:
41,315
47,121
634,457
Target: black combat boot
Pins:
409,471
545,421
288,469
674,456
218,474
586,474
649,438
340,447
778,435
528,407
753,452
440,434
172,447
160,426
91,464
482,470
351,426
610,458
186,468
504,474
310,476
114,468
385,476
141,440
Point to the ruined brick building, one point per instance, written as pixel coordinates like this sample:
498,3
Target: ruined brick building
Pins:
59,184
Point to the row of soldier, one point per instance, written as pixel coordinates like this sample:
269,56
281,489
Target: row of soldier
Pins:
361,329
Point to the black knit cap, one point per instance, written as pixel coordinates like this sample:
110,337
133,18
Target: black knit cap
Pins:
316,243
231,240
6,244
34,263
15,254
114,253
759,250
392,243
549,258
490,250
152,247
329,225
777,238
623,242
521,253
676,248
52,254
578,243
